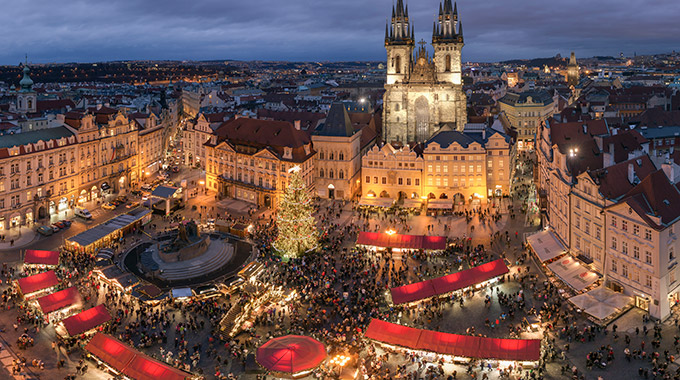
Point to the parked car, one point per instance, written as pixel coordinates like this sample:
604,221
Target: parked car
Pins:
83,213
109,206
136,192
132,205
147,187
122,198
45,230
55,228
60,225
66,222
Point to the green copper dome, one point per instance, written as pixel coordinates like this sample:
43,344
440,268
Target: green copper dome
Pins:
26,82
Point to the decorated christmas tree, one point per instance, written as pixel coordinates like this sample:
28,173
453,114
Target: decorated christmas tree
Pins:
297,227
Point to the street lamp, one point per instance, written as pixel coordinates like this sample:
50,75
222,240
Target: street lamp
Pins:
391,231
340,361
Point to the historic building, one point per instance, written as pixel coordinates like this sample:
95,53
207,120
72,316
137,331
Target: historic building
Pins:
249,159
423,93
453,167
37,175
196,134
573,75
526,111
338,163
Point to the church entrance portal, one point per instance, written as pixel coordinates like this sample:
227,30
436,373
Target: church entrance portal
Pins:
422,119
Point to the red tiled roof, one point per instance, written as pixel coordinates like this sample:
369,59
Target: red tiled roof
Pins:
86,320
53,104
579,136
40,281
655,196
613,181
623,142
263,134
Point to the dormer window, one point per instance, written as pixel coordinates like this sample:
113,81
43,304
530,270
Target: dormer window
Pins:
287,153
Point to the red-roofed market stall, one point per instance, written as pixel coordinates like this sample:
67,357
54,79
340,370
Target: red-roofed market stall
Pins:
442,285
62,301
399,241
517,350
86,320
123,359
292,355
34,286
34,257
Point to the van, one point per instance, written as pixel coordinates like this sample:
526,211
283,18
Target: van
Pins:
83,213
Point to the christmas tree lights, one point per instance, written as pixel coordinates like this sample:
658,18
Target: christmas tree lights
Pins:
296,225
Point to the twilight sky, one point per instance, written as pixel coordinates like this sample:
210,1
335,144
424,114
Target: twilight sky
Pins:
101,30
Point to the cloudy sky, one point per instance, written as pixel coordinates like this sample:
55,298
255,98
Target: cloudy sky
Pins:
100,30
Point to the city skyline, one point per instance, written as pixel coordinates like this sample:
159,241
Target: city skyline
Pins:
304,31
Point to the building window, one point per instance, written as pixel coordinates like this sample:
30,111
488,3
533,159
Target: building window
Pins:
408,181
615,268
624,247
613,222
624,225
577,222
578,242
417,181
429,168
648,234
368,179
636,230
648,280
400,181
384,180
671,254
598,233
648,257
636,252
614,245
375,179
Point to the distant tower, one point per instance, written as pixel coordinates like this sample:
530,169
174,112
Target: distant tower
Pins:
447,40
399,44
26,98
572,71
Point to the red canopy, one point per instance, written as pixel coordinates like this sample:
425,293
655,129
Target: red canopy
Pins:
35,257
385,240
454,344
449,283
37,282
59,300
131,362
291,354
86,320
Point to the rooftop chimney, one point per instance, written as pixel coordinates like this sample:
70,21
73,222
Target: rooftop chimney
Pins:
297,124
585,128
670,172
631,173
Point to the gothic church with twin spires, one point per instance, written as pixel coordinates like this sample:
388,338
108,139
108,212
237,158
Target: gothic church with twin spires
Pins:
423,93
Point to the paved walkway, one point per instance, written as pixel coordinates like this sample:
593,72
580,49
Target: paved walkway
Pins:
17,238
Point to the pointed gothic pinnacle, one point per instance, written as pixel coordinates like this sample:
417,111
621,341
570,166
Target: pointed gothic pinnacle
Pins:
434,29
460,29
455,8
386,28
406,11
440,9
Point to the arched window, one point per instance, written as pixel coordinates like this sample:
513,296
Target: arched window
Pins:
321,155
447,63
30,103
330,155
341,156
321,173
398,68
341,174
330,173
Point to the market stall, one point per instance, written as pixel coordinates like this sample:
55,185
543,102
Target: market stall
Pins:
476,276
545,245
84,322
104,234
41,259
59,305
573,273
121,359
292,356
519,351
37,285
400,241
376,202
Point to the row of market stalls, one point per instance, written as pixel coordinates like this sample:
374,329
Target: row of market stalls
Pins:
123,360
375,240
434,206
600,303
459,348
104,234
60,307
478,277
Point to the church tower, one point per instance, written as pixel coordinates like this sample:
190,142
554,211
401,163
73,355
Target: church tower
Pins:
447,40
423,94
573,76
26,98
399,44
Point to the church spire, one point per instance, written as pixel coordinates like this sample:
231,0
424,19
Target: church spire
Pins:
455,8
